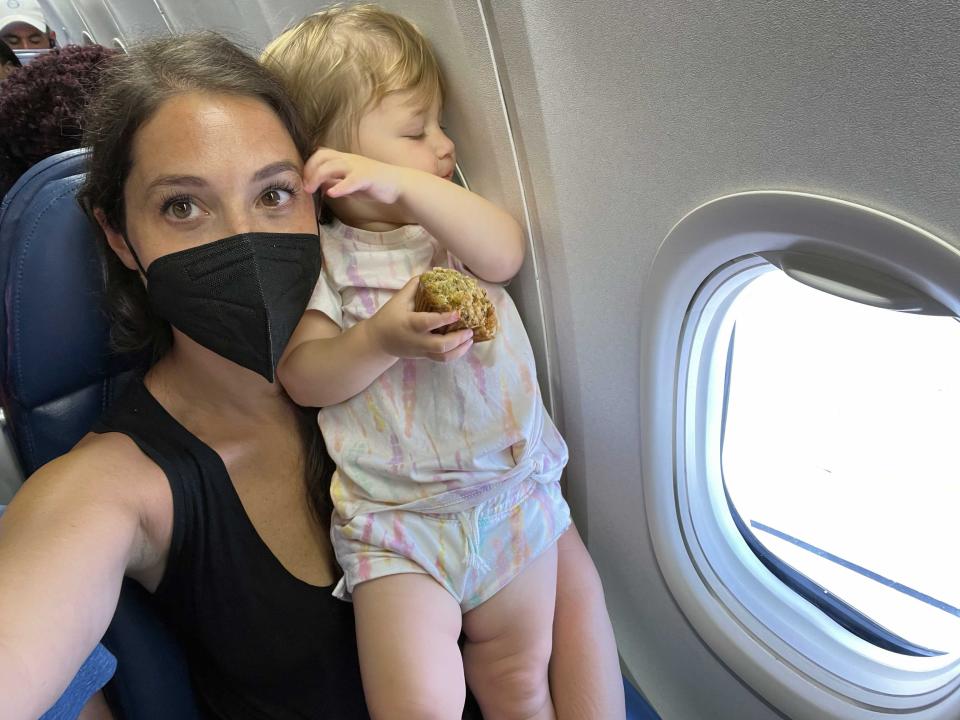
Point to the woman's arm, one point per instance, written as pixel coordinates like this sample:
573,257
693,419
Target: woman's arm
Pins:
66,541
585,678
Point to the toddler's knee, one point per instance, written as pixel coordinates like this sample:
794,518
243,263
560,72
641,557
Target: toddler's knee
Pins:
515,693
526,693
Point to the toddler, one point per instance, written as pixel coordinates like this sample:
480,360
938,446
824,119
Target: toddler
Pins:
446,493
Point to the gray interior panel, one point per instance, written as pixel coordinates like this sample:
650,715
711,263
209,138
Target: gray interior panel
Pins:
137,19
630,115
98,20
241,20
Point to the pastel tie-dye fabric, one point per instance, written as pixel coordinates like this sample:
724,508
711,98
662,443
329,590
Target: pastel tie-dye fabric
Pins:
426,436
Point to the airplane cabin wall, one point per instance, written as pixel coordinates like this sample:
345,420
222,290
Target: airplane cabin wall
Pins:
631,115
616,119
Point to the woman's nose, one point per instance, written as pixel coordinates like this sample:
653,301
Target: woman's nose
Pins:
237,222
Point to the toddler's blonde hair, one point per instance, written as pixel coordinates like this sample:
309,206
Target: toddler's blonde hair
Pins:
342,61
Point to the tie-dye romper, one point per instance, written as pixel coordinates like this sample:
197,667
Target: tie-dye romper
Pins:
449,469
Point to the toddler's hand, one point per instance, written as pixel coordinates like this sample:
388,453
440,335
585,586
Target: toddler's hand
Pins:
338,174
403,333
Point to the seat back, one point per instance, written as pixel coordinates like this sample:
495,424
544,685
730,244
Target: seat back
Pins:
22,194
57,378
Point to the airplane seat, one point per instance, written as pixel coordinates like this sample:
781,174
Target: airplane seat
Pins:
57,376
12,204
637,706
68,162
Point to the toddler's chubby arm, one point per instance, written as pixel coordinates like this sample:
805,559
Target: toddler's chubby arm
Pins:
485,238
323,365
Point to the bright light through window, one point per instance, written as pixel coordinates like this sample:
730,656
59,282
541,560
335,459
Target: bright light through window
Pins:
842,450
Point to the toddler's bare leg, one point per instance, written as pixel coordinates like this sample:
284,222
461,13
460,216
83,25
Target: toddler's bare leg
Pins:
508,646
407,631
584,668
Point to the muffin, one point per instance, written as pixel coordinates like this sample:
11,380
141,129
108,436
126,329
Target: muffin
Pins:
443,290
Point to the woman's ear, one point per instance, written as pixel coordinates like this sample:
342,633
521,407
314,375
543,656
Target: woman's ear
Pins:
115,240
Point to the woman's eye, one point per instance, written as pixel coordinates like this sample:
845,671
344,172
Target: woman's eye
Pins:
183,209
276,197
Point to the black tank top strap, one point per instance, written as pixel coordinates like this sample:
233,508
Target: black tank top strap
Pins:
139,416
260,642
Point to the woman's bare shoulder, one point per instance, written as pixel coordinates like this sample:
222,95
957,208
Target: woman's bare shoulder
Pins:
109,472
105,462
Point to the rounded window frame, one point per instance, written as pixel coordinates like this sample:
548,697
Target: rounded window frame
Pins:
795,657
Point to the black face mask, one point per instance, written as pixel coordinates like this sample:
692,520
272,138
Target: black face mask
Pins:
240,297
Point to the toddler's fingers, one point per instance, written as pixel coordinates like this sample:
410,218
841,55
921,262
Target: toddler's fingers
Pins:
320,167
320,156
322,177
333,169
408,293
350,184
311,172
451,355
310,184
441,344
424,322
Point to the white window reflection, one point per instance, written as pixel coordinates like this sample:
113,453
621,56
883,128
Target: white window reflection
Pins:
841,450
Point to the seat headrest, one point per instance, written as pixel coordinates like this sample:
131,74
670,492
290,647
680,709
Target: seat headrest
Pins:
21,196
57,369
70,162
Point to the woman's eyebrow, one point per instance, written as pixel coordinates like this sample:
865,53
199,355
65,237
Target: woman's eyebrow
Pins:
194,181
275,169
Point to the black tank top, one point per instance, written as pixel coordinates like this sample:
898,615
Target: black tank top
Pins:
260,643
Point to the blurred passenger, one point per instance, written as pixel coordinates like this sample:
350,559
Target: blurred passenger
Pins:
23,27
8,61
41,106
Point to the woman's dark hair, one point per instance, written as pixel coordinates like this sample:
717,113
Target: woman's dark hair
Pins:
41,106
132,89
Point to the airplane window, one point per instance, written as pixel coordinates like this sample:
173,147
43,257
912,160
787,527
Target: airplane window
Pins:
801,473
840,460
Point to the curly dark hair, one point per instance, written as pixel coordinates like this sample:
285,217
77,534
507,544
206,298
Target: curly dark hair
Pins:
41,106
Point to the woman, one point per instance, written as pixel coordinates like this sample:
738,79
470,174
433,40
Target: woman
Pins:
204,483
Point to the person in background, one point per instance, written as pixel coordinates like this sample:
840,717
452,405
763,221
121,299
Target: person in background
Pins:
8,61
23,27
41,106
